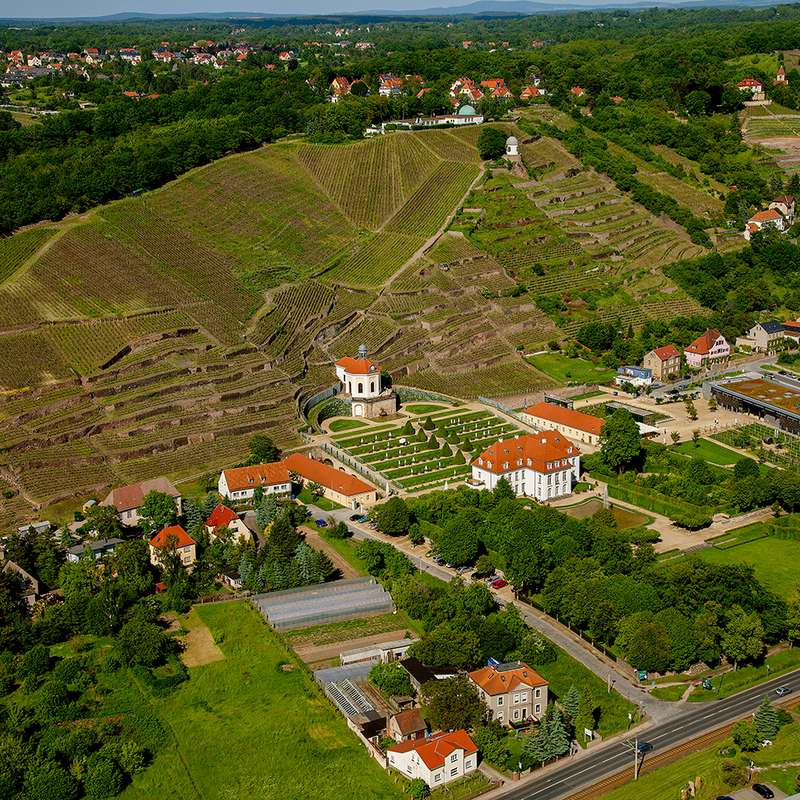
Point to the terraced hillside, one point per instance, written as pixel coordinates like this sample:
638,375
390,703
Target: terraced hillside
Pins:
156,335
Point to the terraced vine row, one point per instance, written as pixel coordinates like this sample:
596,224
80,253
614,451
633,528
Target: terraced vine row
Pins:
15,250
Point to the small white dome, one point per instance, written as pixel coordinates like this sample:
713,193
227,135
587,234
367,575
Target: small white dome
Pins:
511,140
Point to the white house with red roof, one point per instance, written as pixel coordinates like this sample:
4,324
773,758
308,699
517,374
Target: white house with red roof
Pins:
240,483
785,204
664,362
340,487
223,518
771,218
583,428
513,692
128,499
174,538
752,86
707,350
362,385
438,760
541,465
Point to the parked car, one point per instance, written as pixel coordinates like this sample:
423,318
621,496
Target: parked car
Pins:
321,523
783,690
782,372
764,791
724,797
462,570
499,583
645,747
363,519
355,517
437,559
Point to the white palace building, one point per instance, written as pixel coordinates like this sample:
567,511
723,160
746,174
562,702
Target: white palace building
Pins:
361,384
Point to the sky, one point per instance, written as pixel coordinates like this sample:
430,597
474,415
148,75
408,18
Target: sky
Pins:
47,9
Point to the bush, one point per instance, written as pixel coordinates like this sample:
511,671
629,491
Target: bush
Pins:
67,670
36,661
103,779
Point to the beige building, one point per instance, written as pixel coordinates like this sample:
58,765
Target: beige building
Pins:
574,425
128,499
173,538
512,692
665,362
344,489
438,760
766,335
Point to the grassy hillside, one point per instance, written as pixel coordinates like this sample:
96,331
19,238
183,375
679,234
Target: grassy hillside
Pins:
157,334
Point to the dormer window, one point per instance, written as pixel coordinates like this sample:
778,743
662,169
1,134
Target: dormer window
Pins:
489,464
505,465
480,462
530,463
519,462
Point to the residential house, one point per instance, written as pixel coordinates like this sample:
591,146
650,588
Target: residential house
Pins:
784,204
240,483
792,328
766,335
338,486
494,83
663,362
390,86
532,92
28,585
502,93
339,88
763,219
232,578
577,91
128,499
99,548
541,465
418,673
223,518
513,692
407,726
636,376
707,350
174,538
574,425
781,78
753,87
437,760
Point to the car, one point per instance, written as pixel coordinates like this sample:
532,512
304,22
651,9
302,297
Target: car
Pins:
438,560
645,747
321,523
782,372
724,797
373,526
499,583
429,554
783,690
762,790
363,519
355,517
449,565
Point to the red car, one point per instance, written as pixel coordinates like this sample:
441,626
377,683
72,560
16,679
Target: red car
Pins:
499,583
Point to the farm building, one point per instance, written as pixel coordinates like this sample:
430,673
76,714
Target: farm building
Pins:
540,465
574,425
323,603
240,483
383,651
128,499
341,488
362,385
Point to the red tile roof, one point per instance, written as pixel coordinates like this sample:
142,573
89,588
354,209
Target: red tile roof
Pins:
536,450
663,353
748,83
221,517
434,751
242,478
703,344
566,416
162,538
326,476
765,216
495,682
358,366
129,497
410,721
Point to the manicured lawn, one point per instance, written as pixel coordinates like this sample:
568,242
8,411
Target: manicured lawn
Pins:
775,561
587,395
731,682
709,451
565,369
345,424
346,550
665,783
423,408
671,693
278,735
320,502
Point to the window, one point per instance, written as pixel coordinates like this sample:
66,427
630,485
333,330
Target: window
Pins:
538,708
437,777
516,713
349,387
516,699
468,764
361,388
372,386
454,757
454,771
538,693
524,697
499,701
500,715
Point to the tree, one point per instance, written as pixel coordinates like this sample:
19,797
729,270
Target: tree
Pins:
140,642
103,779
490,739
262,450
707,632
15,757
418,789
650,647
585,719
392,678
491,143
282,538
458,542
744,635
157,512
745,735
316,490
695,438
766,720
503,490
445,646
620,443
793,622
131,562
675,436
746,468
453,703
571,702
103,523
557,738
484,565
48,779
393,516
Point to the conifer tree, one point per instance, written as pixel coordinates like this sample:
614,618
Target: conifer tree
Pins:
557,736
767,720
194,517
571,702
209,504
585,717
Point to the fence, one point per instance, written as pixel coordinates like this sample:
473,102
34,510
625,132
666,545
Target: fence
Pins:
342,456
325,393
500,407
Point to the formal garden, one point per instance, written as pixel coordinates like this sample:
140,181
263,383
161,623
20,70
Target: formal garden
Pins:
429,451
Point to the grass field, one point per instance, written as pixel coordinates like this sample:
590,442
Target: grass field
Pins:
345,424
774,560
288,739
570,370
709,451
670,693
423,408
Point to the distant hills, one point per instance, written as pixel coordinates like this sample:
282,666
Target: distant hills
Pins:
481,7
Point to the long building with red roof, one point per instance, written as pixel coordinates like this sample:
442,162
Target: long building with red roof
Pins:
574,425
541,465
341,488
438,760
240,483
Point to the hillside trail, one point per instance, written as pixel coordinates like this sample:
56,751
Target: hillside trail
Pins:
23,267
430,242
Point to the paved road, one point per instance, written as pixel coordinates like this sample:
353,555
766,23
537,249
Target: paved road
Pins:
754,366
693,719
